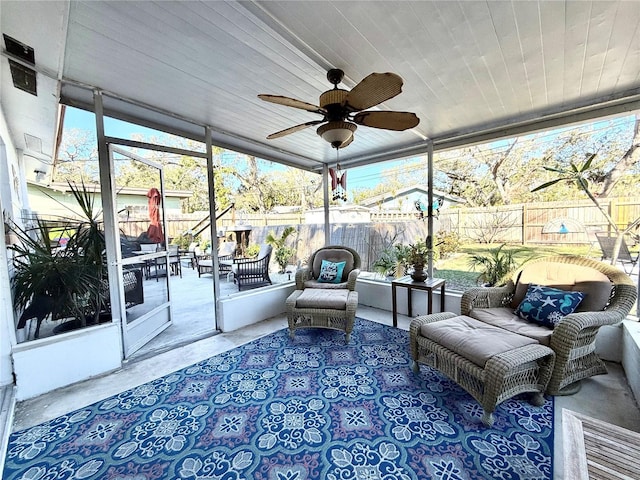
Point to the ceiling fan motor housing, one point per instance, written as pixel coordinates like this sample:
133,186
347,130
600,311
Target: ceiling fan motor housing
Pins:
333,102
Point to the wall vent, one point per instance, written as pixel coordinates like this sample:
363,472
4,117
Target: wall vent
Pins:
33,143
23,77
19,49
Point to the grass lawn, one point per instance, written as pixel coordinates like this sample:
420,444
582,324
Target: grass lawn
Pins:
459,275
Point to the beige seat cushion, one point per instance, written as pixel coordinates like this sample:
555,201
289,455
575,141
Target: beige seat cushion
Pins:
503,317
323,298
473,339
594,284
324,285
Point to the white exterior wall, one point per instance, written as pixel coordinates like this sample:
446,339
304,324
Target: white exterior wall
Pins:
53,362
12,201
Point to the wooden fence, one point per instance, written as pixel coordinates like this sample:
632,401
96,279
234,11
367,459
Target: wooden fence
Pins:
368,239
530,223
515,224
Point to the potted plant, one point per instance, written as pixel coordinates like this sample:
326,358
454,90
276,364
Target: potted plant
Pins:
418,258
66,281
495,264
283,253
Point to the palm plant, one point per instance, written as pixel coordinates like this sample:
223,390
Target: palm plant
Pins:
282,252
67,282
495,264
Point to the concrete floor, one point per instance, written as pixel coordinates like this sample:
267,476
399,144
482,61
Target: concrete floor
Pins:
192,309
605,397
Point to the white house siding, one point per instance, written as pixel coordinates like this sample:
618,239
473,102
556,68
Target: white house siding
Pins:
12,201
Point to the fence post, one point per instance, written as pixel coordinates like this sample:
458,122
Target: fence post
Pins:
614,212
523,222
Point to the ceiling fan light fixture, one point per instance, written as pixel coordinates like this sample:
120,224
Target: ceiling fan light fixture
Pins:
337,133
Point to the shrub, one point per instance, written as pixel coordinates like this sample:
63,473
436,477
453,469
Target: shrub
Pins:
252,250
184,240
447,243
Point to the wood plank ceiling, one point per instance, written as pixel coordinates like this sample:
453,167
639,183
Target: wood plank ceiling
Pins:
471,70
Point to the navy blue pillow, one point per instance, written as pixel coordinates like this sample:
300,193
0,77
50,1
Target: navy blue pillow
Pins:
547,305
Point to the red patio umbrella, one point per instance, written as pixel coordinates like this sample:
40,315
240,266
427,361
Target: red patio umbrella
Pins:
154,232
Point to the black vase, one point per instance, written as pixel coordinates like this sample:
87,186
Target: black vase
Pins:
419,275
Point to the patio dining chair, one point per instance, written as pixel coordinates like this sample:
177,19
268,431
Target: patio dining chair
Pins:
160,264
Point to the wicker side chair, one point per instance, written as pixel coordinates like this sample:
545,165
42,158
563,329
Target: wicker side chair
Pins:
325,305
573,338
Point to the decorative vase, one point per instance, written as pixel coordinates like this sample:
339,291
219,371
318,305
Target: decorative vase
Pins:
419,275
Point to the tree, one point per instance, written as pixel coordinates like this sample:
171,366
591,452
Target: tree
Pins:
630,159
578,175
77,158
79,162
408,172
504,172
261,185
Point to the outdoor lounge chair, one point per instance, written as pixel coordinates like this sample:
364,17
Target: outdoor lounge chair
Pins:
226,252
607,244
610,295
252,271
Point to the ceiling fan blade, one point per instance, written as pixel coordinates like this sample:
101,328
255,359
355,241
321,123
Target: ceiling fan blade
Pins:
293,129
292,102
373,90
387,120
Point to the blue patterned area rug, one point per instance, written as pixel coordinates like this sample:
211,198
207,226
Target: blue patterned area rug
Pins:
277,409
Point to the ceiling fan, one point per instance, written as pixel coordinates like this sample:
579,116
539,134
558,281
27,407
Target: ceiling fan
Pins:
343,110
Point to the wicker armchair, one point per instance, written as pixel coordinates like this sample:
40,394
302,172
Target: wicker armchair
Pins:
573,338
325,305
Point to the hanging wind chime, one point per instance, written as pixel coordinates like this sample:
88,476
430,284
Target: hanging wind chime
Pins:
338,181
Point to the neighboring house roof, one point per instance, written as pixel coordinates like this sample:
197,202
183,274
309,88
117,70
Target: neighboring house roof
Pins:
344,207
387,196
92,187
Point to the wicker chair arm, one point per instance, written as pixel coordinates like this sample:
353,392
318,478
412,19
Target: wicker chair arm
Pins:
302,275
485,297
567,331
352,303
351,279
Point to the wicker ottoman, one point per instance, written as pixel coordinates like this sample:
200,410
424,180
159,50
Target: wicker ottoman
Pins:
490,363
322,308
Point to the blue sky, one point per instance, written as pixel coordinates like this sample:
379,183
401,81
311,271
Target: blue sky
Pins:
83,120
359,177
